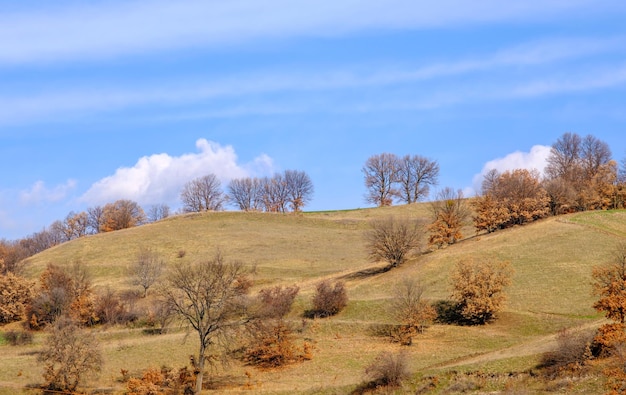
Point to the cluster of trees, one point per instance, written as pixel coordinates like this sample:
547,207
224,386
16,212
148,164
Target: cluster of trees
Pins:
580,175
291,189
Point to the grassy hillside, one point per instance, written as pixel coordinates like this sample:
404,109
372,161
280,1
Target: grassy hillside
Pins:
552,260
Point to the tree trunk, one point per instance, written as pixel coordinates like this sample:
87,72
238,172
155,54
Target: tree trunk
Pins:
200,368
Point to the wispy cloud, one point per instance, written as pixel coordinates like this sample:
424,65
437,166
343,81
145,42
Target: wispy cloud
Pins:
40,193
67,31
159,178
495,83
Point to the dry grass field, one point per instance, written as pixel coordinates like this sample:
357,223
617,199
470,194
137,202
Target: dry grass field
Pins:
552,261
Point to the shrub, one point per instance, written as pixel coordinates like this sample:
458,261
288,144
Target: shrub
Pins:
328,299
388,369
478,288
277,301
161,381
272,344
413,313
608,339
572,352
69,353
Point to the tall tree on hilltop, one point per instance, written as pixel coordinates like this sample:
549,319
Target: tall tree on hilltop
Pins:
416,174
381,174
203,194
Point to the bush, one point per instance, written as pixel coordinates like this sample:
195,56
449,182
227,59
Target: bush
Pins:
161,381
68,354
388,369
277,301
478,288
272,344
572,352
608,339
413,313
328,299
15,295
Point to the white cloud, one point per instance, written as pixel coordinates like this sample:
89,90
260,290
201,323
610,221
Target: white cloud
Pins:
159,178
536,159
66,31
39,193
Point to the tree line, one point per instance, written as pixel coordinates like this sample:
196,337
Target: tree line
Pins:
290,190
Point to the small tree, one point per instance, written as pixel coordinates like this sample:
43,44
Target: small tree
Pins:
299,189
69,353
411,310
478,289
393,240
449,213
381,174
203,194
210,297
416,174
146,269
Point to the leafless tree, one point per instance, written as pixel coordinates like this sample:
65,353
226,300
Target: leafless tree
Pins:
393,240
146,269
564,158
211,297
299,188
158,212
416,174
594,154
95,217
381,174
275,194
245,193
203,194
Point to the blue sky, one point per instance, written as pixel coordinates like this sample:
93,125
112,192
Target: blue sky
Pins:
105,100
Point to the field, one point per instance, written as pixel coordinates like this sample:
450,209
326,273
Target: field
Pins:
552,261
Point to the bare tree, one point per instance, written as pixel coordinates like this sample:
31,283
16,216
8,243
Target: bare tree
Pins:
275,194
211,297
416,174
393,240
95,217
146,269
203,194
299,188
381,174
594,154
69,353
245,193
564,158
158,212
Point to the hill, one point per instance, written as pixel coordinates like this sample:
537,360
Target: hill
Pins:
550,290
